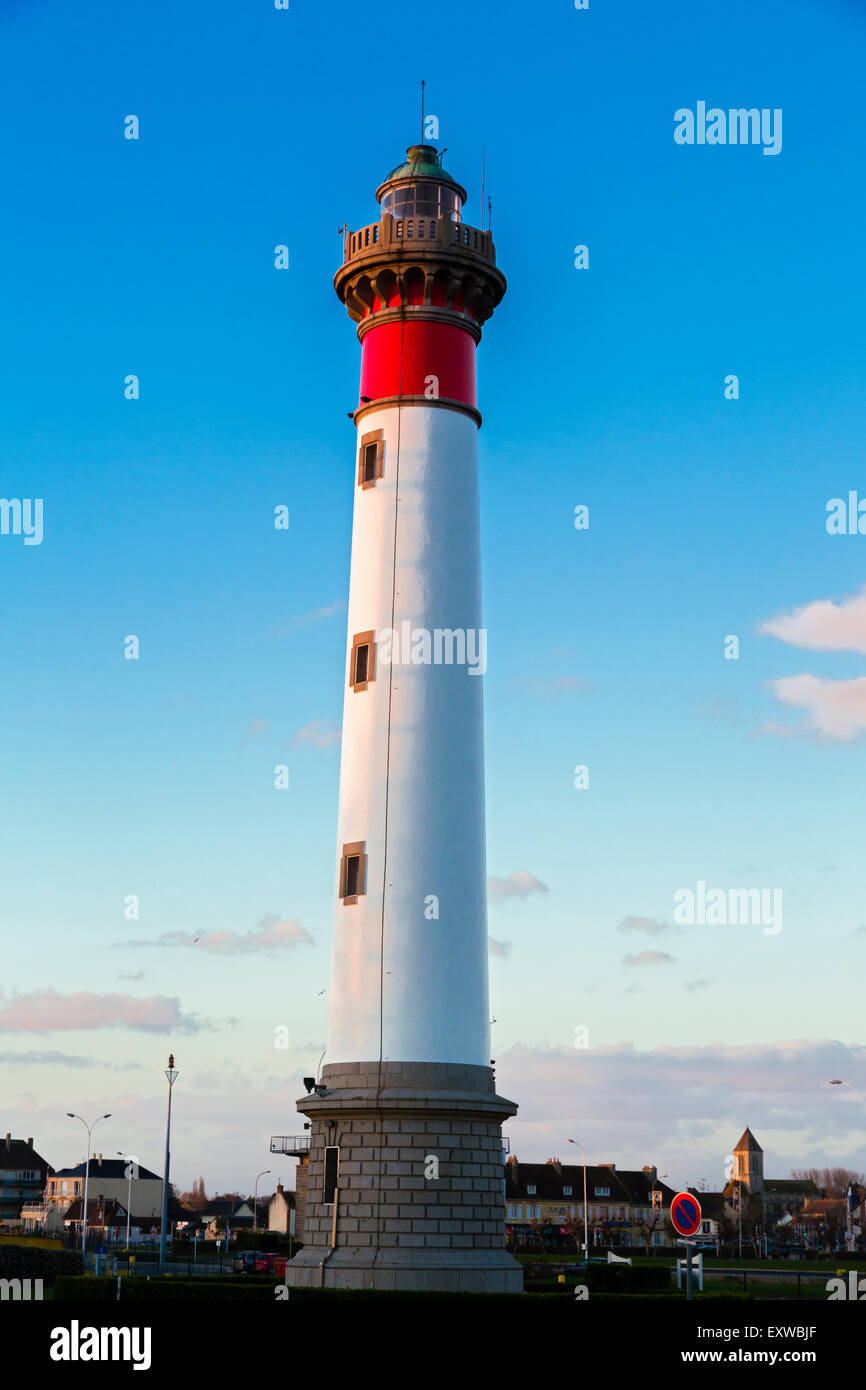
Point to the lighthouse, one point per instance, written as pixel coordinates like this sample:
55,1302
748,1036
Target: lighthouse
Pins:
404,1187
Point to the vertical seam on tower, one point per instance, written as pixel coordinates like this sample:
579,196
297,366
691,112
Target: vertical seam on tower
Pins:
387,790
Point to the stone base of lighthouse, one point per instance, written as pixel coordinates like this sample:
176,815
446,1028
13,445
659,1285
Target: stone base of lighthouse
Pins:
419,1202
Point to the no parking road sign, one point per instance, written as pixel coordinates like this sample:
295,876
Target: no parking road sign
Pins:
686,1214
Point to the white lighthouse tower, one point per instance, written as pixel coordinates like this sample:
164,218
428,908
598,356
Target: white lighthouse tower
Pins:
404,1186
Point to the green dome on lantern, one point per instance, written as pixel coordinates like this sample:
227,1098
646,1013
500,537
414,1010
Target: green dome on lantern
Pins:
422,162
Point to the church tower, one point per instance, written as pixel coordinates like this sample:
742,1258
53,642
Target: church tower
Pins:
749,1162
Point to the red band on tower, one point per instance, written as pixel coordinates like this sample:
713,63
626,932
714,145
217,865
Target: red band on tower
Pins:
418,357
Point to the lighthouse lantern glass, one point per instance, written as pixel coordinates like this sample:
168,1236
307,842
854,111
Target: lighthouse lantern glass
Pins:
422,199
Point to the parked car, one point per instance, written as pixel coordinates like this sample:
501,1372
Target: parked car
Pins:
245,1262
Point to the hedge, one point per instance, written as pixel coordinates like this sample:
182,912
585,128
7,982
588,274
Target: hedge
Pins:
32,1262
90,1289
621,1279
608,1280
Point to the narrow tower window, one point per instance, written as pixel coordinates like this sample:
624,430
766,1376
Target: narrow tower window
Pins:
332,1169
353,873
371,458
362,664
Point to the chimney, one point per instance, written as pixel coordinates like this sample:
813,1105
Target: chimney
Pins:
555,1163
611,1166
651,1171
279,1187
100,1160
30,1142
9,1141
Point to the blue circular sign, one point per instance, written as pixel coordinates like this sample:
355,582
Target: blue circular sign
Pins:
686,1214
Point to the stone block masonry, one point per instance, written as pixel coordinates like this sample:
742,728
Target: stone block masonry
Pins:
420,1184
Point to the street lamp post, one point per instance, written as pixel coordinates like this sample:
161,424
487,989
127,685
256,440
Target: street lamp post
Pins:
657,1181
849,1216
585,1208
128,1195
171,1076
90,1129
256,1199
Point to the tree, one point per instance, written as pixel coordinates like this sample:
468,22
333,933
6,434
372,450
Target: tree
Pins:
648,1225
538,1228
196,1199
575,1227
831,1182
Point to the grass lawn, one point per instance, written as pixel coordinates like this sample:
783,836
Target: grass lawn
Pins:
826,1264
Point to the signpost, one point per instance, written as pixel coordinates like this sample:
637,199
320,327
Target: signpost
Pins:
686,1221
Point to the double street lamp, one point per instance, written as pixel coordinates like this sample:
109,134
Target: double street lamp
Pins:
850,1212
90,1129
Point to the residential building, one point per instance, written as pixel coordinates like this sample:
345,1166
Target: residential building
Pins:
225,1213
281,1212
786,1197
23,1173
823,1222
108,1178
106,1221
620,1203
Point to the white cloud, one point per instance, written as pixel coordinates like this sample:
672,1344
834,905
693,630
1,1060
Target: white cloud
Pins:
519,884
314,615
271,934
835,710
257,729
823,625
46,1011
648,958
320,733
649,925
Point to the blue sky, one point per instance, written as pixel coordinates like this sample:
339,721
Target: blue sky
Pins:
606,647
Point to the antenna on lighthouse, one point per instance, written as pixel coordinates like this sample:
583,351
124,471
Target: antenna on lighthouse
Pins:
483,166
